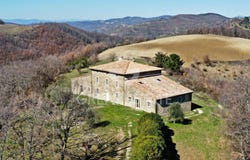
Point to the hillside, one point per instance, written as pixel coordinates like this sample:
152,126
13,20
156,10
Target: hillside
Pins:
101,25
189,47
149,28
29,42
13,29
139,28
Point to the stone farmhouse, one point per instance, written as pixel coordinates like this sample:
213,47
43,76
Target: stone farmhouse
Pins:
134,85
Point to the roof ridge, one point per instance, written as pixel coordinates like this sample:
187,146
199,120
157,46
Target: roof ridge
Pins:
126,68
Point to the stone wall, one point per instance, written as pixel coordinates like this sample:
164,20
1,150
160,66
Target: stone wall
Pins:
186,107
81,85
108,87
133,95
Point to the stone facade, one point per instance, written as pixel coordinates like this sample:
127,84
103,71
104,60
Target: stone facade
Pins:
143,88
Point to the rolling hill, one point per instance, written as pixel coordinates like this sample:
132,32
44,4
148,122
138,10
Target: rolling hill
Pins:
139,28
28,42
189,47
149,28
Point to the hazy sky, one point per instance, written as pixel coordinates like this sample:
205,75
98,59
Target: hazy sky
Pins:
105,9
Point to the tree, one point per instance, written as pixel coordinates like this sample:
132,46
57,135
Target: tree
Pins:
68,112
160,59
148,147
7,117
148,120
1,21
175,113
150,142
82,63
173,61
235,98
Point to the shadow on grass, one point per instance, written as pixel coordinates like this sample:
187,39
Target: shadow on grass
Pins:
195,106
170,152
184,122
187,121
101,124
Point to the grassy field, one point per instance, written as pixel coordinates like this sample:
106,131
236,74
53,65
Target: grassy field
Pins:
64,80
189,47
203,138
115,117
12,29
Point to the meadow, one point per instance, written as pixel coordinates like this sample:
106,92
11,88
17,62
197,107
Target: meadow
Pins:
190,47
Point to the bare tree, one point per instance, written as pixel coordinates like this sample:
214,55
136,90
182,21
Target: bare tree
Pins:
67,113
236,98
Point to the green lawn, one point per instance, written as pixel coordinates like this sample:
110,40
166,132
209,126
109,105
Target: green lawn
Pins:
115,116
203,138
64,80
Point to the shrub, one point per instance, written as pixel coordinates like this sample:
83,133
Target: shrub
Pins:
204,69
149,127
175,113
148,147
153,117
150,142
207,60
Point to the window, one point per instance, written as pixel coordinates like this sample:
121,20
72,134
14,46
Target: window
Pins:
158,79
116,83
97,79
129,99
97,90
148,103
141,82
116,95
81,88
107,81
181,98
137,103
188,97
89,89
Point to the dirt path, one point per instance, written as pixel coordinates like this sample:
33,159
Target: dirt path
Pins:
129,142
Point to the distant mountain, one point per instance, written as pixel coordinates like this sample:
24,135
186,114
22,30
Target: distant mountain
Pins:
46,39
25,21
100,25
1,21
149,28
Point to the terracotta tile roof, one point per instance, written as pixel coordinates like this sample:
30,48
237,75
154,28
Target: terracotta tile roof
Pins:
158,87
124,67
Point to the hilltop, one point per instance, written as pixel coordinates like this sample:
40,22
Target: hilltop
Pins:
189,47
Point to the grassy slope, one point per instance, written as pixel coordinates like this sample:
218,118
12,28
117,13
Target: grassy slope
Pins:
203,139
189,47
